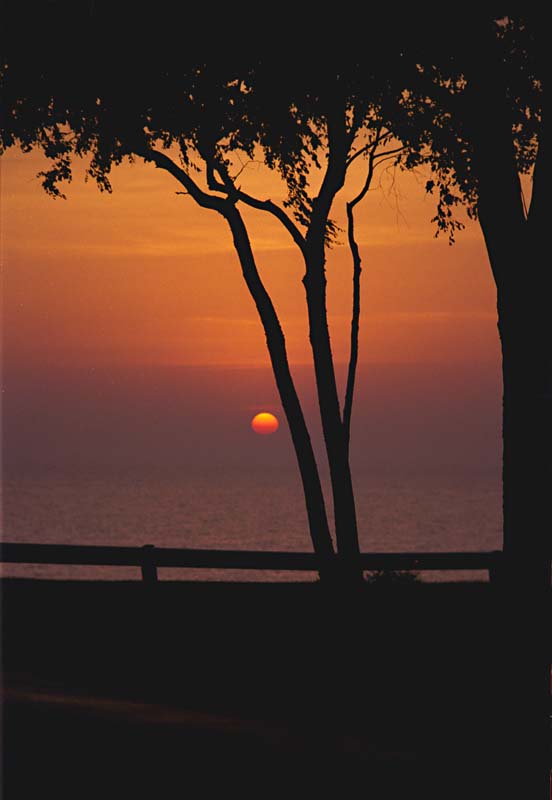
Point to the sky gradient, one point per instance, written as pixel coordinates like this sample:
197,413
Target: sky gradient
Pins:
127,314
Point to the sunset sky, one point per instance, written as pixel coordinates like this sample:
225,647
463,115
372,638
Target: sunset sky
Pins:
127,313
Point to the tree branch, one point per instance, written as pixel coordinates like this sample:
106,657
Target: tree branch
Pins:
379,138
236,193
162,161
355,319
538,195
332,182
212,183
276,211
387,154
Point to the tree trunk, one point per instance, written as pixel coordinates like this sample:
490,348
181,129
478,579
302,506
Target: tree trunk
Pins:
515,241
334,434
314,498
524,295
527,434
514,238
346,530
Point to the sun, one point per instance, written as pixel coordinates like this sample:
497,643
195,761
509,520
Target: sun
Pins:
265,423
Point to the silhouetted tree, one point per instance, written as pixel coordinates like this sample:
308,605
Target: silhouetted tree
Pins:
476,115
461,92
464,94
198,117
474,111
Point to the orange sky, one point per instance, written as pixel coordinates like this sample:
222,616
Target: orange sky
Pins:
144,276
130,338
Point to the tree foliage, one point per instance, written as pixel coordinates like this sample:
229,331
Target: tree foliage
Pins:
480,65
202,107
200,116
461,95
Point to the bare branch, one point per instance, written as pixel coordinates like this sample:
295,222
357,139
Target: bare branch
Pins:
162,161
391,171
367,183
276,211
244,167
236,193
355,317
378,139
387,154
362,151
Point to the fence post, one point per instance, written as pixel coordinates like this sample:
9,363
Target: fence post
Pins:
496,569
148,567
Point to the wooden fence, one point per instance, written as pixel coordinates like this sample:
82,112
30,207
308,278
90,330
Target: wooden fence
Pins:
149,558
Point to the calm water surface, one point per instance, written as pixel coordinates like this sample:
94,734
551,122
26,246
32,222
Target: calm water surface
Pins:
239,510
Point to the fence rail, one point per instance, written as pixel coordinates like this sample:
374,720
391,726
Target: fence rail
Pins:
149,558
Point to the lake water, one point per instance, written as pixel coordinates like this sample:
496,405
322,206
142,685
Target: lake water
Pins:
239,510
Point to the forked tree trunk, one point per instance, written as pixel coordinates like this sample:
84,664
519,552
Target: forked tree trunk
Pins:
346,530
314,498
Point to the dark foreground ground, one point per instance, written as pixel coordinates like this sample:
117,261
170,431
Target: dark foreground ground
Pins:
260,690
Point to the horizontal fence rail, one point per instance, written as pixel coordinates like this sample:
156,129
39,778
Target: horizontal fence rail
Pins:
149,558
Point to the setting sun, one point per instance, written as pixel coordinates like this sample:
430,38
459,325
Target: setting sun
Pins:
264,423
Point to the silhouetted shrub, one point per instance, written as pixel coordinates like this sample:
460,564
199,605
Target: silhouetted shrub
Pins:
392,577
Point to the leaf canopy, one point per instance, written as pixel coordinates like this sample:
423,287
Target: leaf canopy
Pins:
107,84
